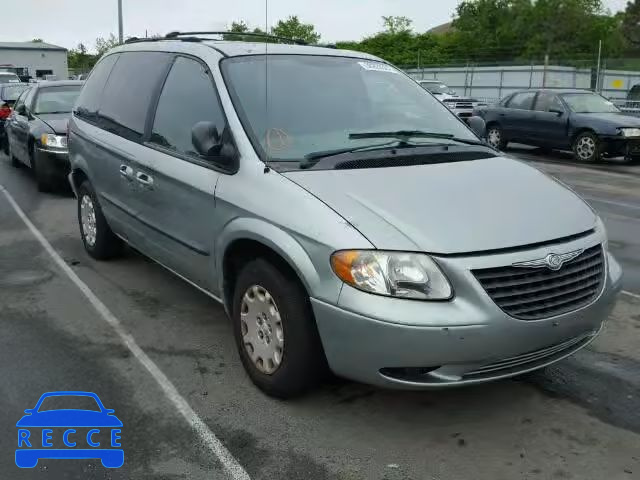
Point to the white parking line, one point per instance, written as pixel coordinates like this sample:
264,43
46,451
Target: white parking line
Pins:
632,295
229,463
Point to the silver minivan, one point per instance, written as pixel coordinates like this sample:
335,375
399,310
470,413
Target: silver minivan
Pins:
344,217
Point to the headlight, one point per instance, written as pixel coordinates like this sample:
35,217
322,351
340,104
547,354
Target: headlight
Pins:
395,274
54,141
630,132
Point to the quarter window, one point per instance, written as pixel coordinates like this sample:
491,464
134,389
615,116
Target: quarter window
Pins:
89,99
522,101
128,93
188,97
548,100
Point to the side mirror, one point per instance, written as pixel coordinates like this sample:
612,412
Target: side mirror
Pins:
21,110
29,410
206,139
478,125
557,111
109,411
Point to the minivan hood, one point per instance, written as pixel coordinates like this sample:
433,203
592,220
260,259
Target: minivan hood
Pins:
451,207
57,121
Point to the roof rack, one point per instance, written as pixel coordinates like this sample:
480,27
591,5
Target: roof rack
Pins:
192,36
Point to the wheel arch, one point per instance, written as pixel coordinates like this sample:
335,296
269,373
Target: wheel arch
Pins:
246,239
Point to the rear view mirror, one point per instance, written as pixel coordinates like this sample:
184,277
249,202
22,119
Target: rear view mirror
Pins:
206,139
478,125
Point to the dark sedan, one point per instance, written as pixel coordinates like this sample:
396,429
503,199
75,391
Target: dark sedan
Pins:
578,120
37,130
9,93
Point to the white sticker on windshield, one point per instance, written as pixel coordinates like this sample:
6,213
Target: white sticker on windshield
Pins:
378,67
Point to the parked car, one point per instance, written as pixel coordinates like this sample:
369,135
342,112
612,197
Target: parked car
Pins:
9,93
341,226
462,107
37,131
579,120
8,77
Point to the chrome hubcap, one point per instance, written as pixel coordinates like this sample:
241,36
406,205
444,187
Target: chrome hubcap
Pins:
585,148
262,332
88,219
493,137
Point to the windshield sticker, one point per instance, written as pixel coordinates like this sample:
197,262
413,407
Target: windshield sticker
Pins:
378,67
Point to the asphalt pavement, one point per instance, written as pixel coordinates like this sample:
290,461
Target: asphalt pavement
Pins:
161,354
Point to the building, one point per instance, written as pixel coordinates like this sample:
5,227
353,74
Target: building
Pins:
34,59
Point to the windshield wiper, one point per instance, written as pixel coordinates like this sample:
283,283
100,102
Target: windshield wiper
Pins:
405,135
311,159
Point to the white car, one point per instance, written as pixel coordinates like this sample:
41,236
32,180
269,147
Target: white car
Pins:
463,107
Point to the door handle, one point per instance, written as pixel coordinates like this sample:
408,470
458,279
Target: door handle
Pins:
126,171
144,179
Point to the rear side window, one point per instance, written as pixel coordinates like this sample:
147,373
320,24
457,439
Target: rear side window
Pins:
89,99
522,101
188,97
128,92
548,100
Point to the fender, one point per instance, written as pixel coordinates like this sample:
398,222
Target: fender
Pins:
273,237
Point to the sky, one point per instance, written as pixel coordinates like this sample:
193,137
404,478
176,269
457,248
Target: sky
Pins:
69,22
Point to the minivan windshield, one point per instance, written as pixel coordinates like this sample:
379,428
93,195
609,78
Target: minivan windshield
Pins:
56,99
301,104
589,103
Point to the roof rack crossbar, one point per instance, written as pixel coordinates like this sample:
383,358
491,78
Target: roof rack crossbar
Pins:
176,35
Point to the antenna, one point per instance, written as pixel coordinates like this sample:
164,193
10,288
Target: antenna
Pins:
267,131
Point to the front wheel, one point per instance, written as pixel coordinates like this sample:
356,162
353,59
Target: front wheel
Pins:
495,137
44,183
275,331
99,241
586,147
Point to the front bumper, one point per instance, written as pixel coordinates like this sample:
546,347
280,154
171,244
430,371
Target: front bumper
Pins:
52,164
421,345
616,146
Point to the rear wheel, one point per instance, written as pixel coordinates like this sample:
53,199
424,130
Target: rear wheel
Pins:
495,137
99,241
586,147
275,331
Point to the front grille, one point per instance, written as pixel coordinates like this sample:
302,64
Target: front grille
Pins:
535,293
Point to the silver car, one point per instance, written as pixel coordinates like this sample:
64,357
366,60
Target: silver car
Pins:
344,217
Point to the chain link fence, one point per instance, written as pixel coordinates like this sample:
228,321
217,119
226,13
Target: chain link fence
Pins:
616,79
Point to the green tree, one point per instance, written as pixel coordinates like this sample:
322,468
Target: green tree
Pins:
630,24
80,60
395,25
104,45
294,29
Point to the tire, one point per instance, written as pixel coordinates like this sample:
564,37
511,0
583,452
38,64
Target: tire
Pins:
495,137
586,148
99,241
291,329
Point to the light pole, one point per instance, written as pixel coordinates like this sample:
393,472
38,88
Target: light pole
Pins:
120,32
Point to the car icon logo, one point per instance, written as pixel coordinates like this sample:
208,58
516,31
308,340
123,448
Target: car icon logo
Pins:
69,433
